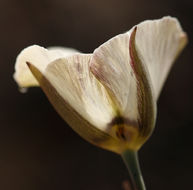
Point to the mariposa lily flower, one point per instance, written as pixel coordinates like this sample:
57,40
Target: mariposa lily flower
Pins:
108,97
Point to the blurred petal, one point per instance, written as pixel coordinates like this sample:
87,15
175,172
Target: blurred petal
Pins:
40,56
158,42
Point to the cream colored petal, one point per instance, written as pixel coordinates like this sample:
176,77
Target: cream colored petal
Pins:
117,67
41,57
133,67
75,83
111,65
158,42
80,99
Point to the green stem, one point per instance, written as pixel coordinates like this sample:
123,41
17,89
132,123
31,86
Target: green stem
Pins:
131,160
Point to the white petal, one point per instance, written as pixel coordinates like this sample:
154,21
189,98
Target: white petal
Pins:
111,65
117,67
72,79
40,57
158,42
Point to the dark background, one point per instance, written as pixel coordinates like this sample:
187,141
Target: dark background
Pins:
38,150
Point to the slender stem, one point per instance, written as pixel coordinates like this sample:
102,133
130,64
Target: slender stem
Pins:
131,160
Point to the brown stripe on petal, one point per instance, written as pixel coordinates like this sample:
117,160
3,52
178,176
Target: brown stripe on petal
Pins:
73,118
146,103
130,49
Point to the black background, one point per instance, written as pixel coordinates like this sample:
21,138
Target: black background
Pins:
38,150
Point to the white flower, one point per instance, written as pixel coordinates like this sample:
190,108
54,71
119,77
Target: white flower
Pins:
108,97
